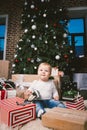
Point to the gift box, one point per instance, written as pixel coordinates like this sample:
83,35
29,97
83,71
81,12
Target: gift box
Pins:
77,104
11,93
65,119
3,94
14,115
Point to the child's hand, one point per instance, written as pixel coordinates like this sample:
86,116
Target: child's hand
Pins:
56,98
27,93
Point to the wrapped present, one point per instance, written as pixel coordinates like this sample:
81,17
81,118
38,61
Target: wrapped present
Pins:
13,114
77,104
65,119
3,94
11,93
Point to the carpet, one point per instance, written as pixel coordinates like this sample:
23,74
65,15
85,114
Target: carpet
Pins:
32,125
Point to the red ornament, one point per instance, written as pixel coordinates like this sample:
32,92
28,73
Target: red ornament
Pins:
16,60
29,59
36,8
65,56
55,25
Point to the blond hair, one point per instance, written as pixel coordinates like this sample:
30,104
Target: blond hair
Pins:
46,64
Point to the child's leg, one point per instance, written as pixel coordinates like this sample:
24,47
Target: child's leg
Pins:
54,103
39,108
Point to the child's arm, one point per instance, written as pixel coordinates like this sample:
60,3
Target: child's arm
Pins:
55,92
56,98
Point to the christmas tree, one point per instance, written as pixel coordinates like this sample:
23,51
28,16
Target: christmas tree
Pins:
45,37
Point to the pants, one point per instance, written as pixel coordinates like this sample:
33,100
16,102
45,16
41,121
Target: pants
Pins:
42,104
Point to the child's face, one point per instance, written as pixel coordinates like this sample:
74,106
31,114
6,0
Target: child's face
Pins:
44,72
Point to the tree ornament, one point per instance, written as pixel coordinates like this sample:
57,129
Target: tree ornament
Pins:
25,3
19,48
55,12
34,16
21,59
33,27
46,41
55,25
32,46
35,48
40,38
42,0
20,40
36,8
29,59
60,9
71,51
44,15
46,26
54,37
21,22
28,40
15,55
24,69
64,43
13,65
33,37
32,61
13,72
28,16
35,67
16,60
65,56
38,60
57,57
32,20
65,35
32,6
26,30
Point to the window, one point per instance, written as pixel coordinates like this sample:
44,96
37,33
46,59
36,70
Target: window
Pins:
77,35
77,27
3,35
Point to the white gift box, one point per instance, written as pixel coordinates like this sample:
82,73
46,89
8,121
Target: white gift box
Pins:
11,93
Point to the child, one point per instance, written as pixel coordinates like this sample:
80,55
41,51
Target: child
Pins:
49,97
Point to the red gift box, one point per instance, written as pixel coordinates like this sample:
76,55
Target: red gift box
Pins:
3,94
77,104
14,115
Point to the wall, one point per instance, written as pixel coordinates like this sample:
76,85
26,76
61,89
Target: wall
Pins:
14,9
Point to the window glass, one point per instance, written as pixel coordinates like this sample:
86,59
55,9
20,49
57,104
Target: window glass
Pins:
76,35
1,44
3,35
76,26
2,30
79,48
